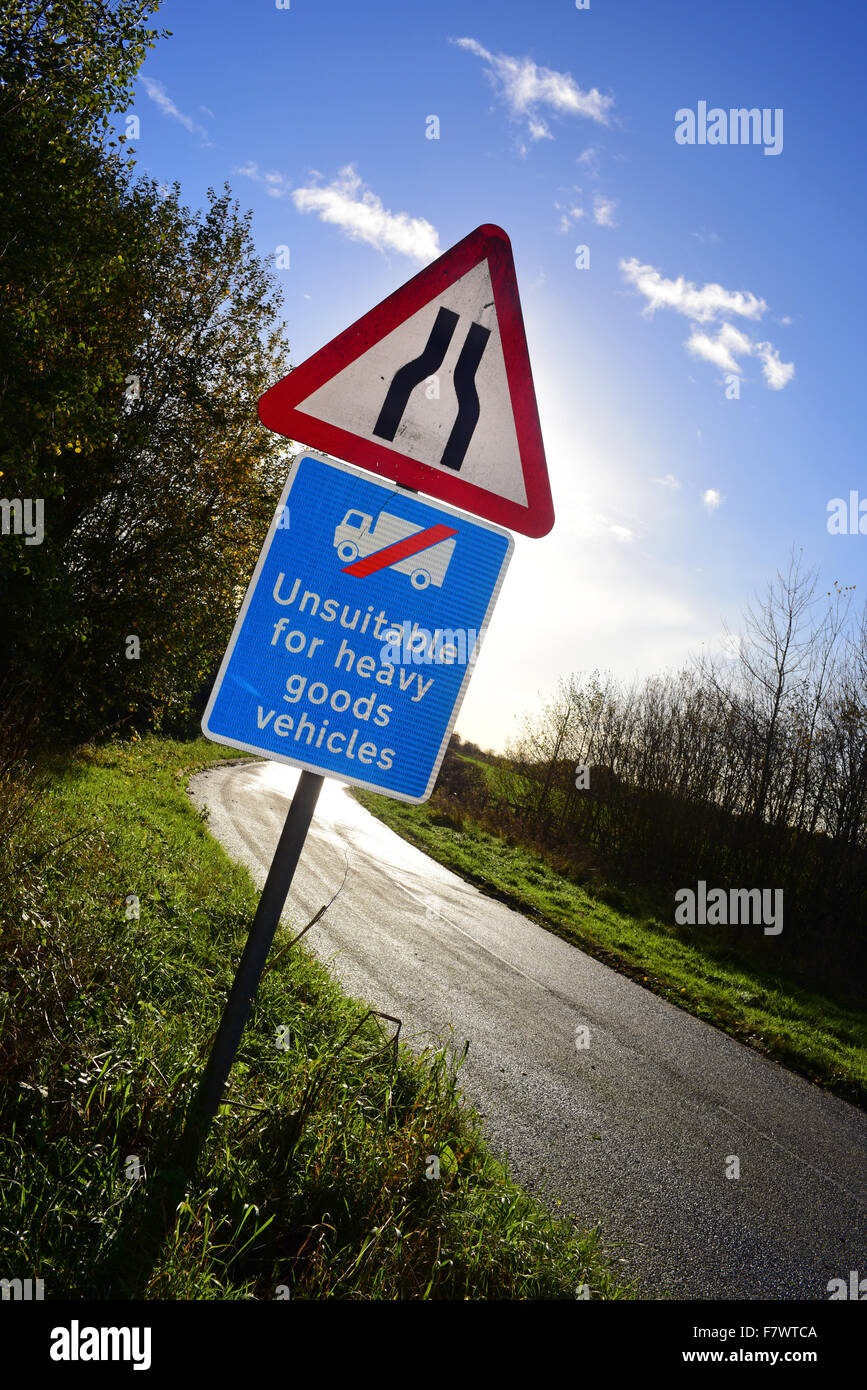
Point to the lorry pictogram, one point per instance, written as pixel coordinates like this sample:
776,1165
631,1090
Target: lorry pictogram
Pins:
358,535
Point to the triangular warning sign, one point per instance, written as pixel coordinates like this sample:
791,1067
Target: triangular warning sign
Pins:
433,389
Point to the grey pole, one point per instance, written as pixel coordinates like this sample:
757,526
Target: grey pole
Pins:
210,1092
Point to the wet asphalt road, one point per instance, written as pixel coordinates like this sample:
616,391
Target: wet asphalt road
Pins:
634,1131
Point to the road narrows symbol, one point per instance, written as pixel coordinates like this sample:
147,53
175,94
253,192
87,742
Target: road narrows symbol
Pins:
401,550
406,378
468,398
413,373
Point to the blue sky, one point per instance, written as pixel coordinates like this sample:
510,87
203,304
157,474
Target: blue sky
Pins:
675,501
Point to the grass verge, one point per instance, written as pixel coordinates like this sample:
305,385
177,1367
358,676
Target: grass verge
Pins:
821,1037
122,921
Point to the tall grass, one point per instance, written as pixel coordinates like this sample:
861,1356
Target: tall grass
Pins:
313,1183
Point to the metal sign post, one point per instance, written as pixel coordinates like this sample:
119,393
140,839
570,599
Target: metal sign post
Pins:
207,1099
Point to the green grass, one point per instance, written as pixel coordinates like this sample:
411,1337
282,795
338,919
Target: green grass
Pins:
753,999
313,1178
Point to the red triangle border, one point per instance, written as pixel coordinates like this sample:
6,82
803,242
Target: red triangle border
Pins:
277,407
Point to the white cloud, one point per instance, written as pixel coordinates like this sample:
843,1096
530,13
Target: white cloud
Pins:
359,213
668,480
723,350
525,88
730,343
603,211
702,305
776,373
158,94
539,130
595,524
568,215
712,498
275,184
589,160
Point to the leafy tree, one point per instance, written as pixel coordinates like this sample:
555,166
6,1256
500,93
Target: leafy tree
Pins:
78,56
63,69
135,337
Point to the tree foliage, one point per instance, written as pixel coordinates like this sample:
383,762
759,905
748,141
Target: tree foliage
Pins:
78,57
136,336
748,769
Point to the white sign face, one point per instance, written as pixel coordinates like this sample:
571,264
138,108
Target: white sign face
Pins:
354,399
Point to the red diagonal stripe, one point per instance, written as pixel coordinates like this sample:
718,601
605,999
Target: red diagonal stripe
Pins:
401,550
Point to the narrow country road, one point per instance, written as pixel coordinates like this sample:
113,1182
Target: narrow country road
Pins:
635,1130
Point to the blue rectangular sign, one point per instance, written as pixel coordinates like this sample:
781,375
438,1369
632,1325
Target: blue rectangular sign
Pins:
359,630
